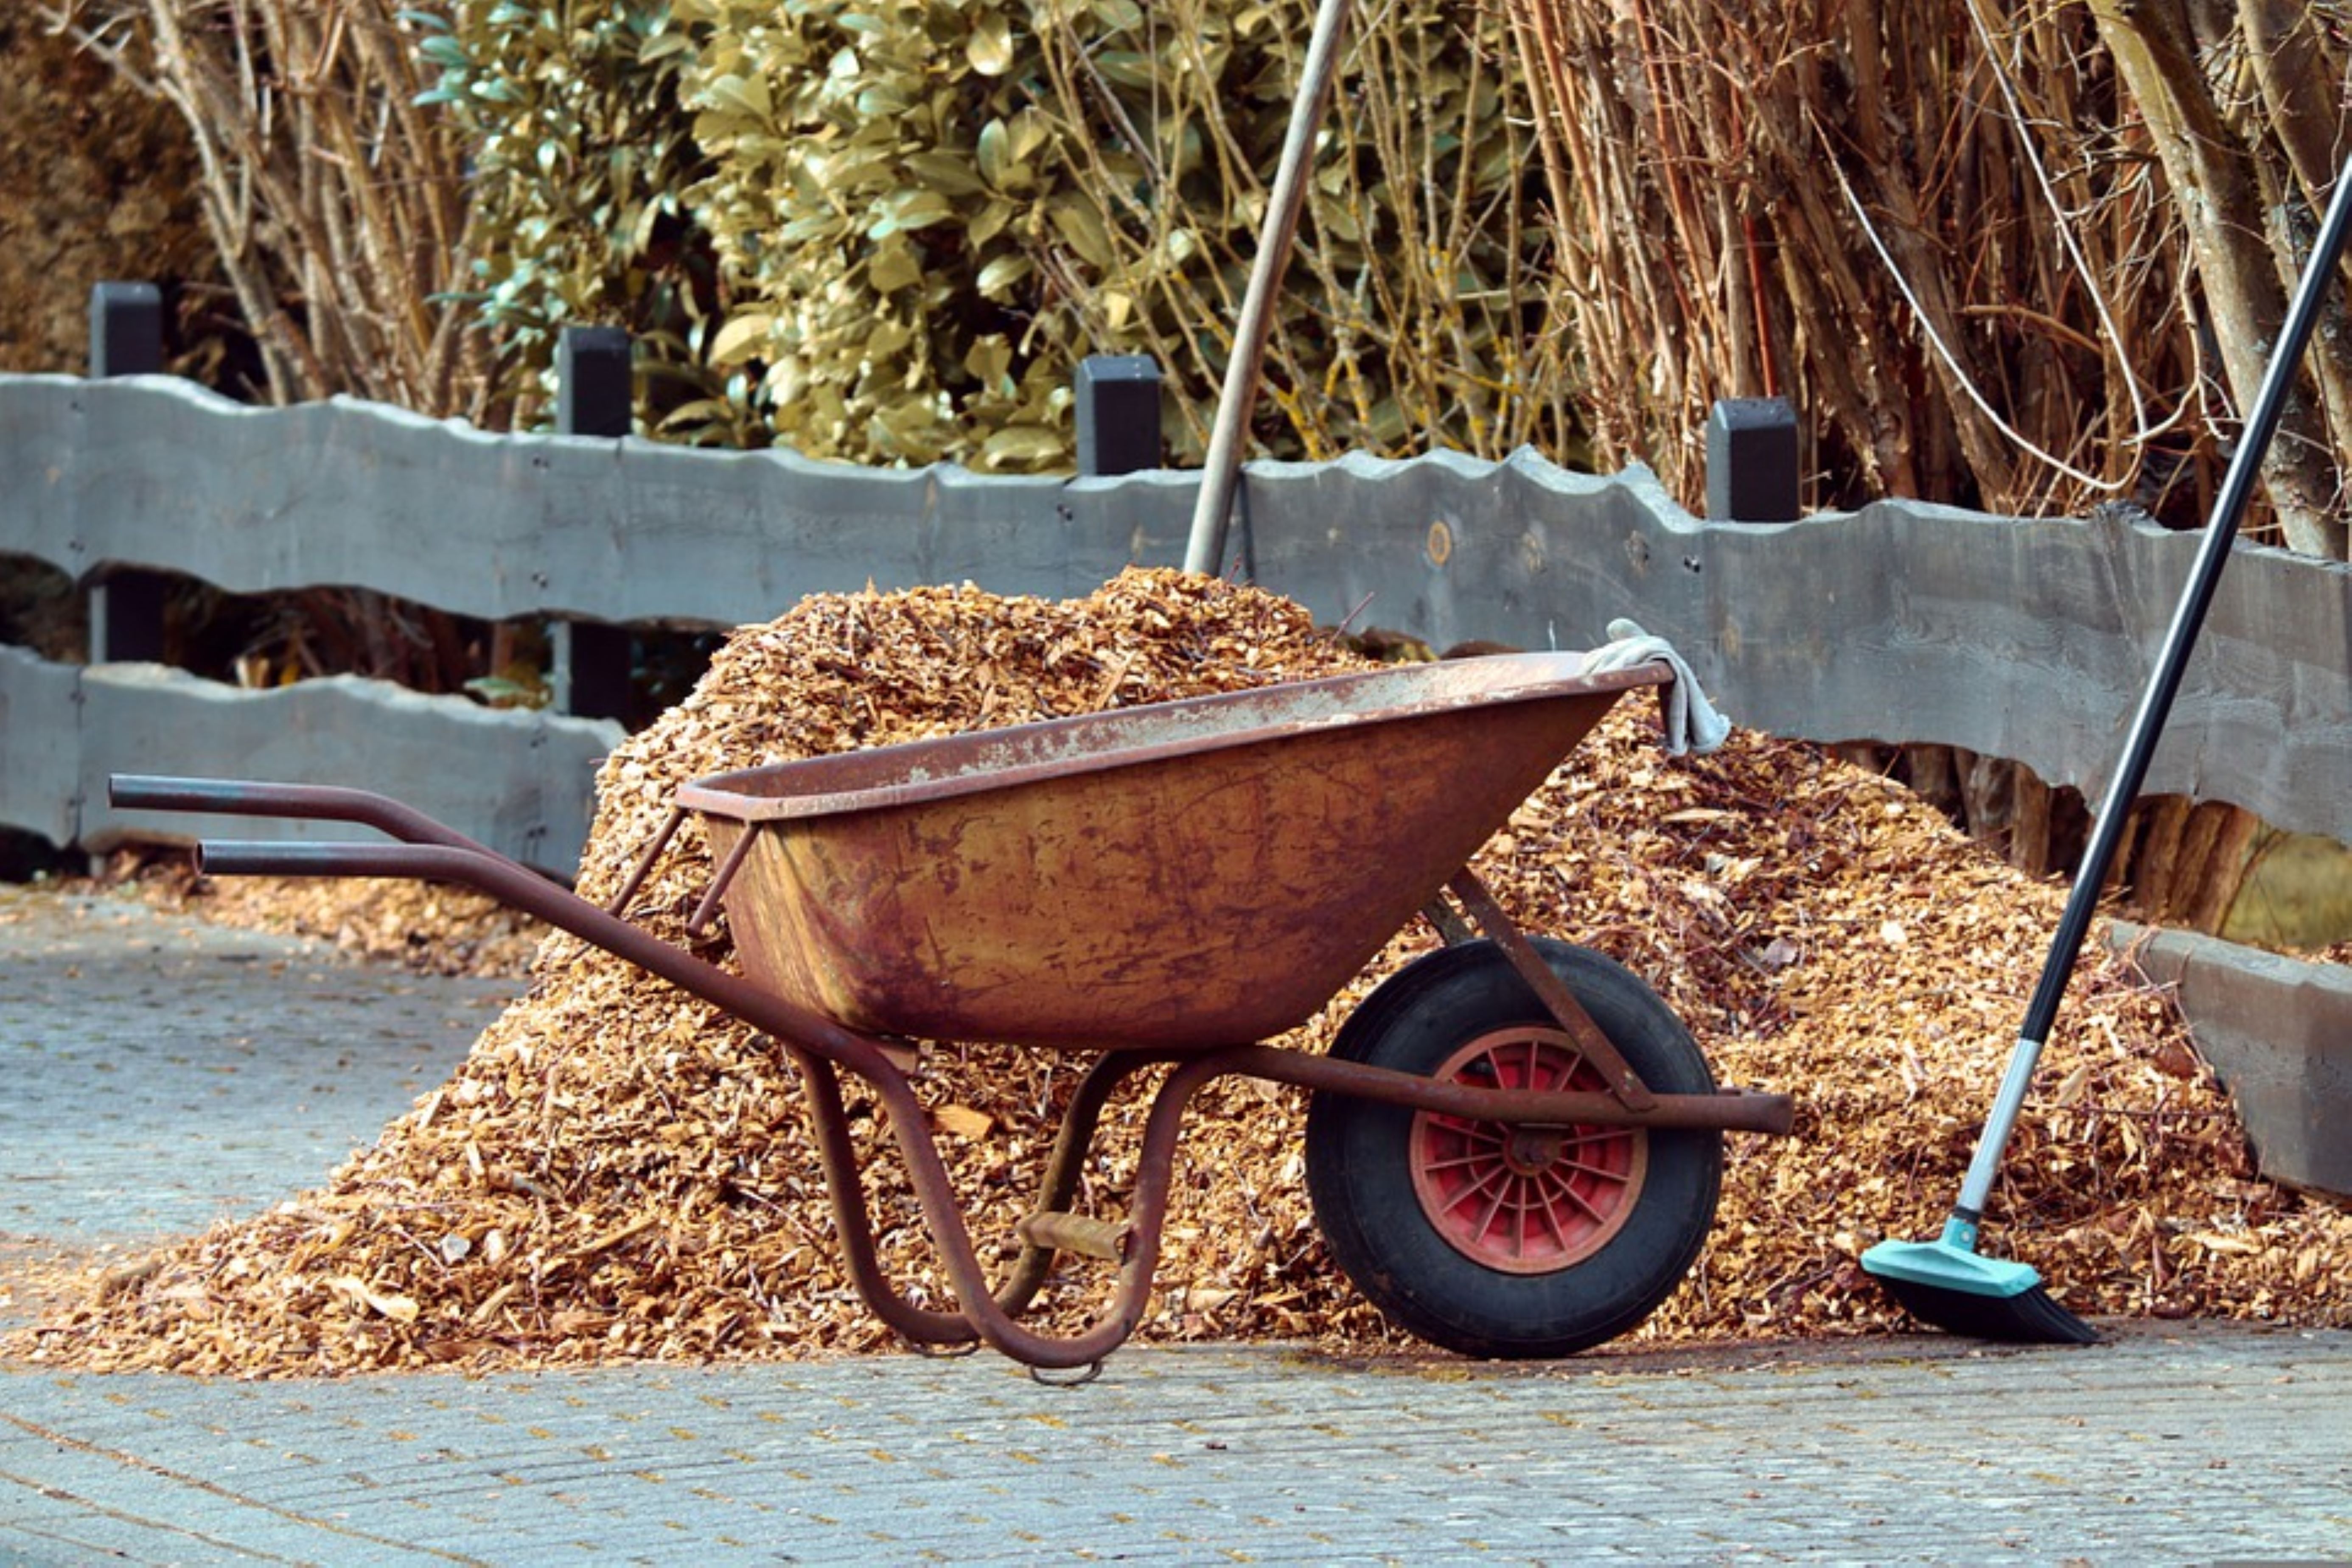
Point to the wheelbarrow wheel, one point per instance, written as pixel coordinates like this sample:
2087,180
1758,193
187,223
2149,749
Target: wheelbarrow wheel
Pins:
1499,1241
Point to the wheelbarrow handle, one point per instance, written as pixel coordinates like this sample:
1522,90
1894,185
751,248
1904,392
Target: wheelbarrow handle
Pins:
428,852
252,798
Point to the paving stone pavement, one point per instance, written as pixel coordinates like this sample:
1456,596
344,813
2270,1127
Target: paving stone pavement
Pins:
161,1074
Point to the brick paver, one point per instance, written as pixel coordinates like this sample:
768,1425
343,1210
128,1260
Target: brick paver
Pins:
2205,1445
161,1072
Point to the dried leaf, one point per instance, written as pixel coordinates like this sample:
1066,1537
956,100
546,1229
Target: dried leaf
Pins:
963,1121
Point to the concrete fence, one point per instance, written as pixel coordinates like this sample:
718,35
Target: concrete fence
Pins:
2025,638
2011,637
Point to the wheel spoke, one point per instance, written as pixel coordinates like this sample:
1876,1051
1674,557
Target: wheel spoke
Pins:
1558,1066
1490,1195
1496,1186
1592,1210
1604,1173
1465,1127
1552,1224
1515,1236
1474,1161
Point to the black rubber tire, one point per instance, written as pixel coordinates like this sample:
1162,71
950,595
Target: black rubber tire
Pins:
1359,1158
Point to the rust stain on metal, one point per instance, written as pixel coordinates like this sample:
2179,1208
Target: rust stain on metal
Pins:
1179,874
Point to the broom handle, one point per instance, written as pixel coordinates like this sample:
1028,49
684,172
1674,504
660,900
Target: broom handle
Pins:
1221,470
2156,703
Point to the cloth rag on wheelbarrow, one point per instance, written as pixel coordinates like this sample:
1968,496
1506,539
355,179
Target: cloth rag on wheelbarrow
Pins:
1693,725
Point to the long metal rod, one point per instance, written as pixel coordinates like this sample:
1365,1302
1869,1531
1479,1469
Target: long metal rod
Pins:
313,803
1725,1110
2156,703
1206,549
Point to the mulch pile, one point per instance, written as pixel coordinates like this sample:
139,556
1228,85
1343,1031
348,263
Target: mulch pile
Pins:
430,928
618,1172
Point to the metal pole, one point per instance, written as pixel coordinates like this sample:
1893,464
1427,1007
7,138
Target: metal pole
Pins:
1207,547
593,397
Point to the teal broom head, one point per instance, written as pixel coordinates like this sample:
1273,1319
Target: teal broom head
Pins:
1951,1286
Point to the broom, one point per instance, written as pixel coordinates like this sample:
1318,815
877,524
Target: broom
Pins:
1945,1282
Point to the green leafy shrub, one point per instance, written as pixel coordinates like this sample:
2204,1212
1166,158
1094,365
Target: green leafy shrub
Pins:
887,231
877,174
933,210
580,151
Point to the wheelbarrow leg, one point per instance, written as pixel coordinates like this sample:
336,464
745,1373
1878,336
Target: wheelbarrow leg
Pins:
1071,1145
829,1119
1147,1212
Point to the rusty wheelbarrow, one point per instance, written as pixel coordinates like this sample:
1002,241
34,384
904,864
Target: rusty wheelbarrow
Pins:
1513,1146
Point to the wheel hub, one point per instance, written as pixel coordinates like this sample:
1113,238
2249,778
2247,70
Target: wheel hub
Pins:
1525,1199
1530,1151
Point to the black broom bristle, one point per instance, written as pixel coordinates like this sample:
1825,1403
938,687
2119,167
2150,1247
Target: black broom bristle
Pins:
2028,1317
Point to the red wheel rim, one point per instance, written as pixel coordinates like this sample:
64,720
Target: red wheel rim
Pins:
1524,1201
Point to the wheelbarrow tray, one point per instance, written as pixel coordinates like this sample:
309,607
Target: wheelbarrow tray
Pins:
1183,875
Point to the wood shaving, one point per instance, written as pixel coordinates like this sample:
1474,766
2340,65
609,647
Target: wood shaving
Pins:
429,927
618,1172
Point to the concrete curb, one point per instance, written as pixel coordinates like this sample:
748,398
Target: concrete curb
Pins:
2278,1033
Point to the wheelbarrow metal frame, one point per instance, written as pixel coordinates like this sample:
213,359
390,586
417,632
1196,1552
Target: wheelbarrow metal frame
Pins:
822,1047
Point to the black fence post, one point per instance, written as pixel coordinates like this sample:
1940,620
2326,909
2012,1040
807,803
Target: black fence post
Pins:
1751,461
593,382
593,397
126,329
1118,415
126,605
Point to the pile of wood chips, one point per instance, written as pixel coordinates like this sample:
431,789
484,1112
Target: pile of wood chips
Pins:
619,1172
430,928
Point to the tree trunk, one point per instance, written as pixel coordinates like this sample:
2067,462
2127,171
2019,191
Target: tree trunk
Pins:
2217,195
